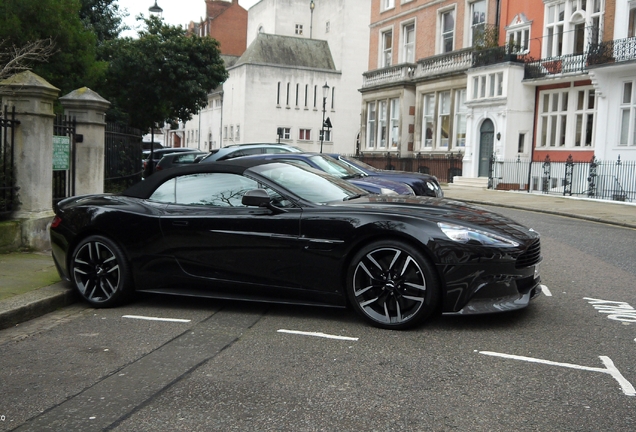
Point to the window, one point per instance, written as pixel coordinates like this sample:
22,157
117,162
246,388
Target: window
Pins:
444,118
333,97
585,108
628,115
554,30
371,125
631,27
287,98
460,118
428,124
447,27
304,134
238,132
488,85
278,94
299,29
286,133
387,49
209,189
306,94
566,118
408,41
519,40
315,95
395,122
231,136
327,26
297,94
382,123
521,144
388,4
477,22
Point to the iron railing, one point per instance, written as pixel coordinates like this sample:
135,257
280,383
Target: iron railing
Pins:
570,63
608,180
122,157
442,166
8,188
613,51
64,180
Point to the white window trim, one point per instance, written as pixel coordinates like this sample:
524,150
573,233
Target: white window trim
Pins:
468,22
381,51
439,41
403,46
386,5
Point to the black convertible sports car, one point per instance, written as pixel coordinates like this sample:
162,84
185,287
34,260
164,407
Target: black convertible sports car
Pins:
277,232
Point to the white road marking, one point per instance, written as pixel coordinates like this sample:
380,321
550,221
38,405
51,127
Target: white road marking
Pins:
323,335
156,318
546,291
610,369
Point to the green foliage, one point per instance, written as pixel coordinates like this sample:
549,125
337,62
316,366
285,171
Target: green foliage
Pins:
74,64
163,75
103,18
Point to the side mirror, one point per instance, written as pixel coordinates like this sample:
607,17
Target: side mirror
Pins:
256,198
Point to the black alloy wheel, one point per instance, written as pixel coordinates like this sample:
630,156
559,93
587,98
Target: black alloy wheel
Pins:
392,285
100,272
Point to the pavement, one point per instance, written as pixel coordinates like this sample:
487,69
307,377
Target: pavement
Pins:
30,286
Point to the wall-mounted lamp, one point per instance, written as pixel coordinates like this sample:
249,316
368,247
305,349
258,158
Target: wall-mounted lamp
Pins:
498,136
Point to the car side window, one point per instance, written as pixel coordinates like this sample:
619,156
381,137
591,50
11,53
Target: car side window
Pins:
275,150
208,189
243,152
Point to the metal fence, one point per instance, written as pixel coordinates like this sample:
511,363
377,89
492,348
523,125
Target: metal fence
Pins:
64,179
122,161
442,166
608,180
8,188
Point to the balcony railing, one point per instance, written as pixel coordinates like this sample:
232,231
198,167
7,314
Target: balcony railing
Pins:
388,75
613,51
455,61
570,63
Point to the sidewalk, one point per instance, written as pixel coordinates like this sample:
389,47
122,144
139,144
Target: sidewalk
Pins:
30,286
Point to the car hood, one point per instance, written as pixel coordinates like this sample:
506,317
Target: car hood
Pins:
444,210
375,183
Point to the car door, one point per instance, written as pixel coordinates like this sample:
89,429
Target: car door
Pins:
216,239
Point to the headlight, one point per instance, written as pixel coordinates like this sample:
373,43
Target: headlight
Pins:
463,234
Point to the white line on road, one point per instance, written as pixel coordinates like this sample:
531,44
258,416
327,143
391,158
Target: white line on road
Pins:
610,369
156,319
323,335
546,291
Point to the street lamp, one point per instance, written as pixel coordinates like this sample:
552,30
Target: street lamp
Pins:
325,92
155,9
312,5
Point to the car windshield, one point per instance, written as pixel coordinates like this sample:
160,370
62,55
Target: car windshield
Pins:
311,185
333,167
358,163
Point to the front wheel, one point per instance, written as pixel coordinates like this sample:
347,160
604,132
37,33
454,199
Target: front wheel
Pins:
100,272
392,285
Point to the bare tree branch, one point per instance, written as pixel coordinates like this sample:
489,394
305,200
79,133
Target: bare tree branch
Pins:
14,59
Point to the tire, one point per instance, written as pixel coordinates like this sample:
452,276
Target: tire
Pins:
100,272
392,285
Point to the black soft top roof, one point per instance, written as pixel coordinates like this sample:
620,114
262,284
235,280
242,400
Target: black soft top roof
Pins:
146,187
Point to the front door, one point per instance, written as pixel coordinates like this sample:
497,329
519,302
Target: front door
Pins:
486,142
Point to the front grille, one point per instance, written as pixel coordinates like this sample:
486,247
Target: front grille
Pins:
531,256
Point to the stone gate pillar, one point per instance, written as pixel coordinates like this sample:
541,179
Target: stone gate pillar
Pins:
33,98
89,110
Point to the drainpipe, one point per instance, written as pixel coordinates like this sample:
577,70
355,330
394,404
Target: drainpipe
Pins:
534,134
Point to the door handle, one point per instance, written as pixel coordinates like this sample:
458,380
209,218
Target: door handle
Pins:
180,223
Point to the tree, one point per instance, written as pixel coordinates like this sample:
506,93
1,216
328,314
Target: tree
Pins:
16,59
73,65
164,75
103,18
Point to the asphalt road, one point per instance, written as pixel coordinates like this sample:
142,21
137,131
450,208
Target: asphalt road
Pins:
566,363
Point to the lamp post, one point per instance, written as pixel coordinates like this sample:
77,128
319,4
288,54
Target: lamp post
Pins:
325,92
312,5
153,10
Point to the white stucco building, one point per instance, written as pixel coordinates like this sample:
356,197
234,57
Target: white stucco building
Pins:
277,84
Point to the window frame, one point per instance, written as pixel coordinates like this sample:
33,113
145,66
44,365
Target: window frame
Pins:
441,33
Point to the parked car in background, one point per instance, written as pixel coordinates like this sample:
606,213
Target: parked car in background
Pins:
267,231
157,154
422,184
172,160
326,163
240,150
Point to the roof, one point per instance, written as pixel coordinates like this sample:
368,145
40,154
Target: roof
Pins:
146,187
293,52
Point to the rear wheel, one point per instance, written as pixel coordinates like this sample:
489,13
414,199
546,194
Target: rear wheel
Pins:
392,285
100,272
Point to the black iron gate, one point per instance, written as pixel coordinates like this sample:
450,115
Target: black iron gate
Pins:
8,187
123,157
64,140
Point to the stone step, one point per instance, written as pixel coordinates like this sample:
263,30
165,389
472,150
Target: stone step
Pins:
475,182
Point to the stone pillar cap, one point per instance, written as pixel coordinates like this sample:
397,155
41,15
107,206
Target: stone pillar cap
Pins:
27,82
84,97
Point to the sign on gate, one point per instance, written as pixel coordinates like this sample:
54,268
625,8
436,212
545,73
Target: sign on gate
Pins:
61,153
